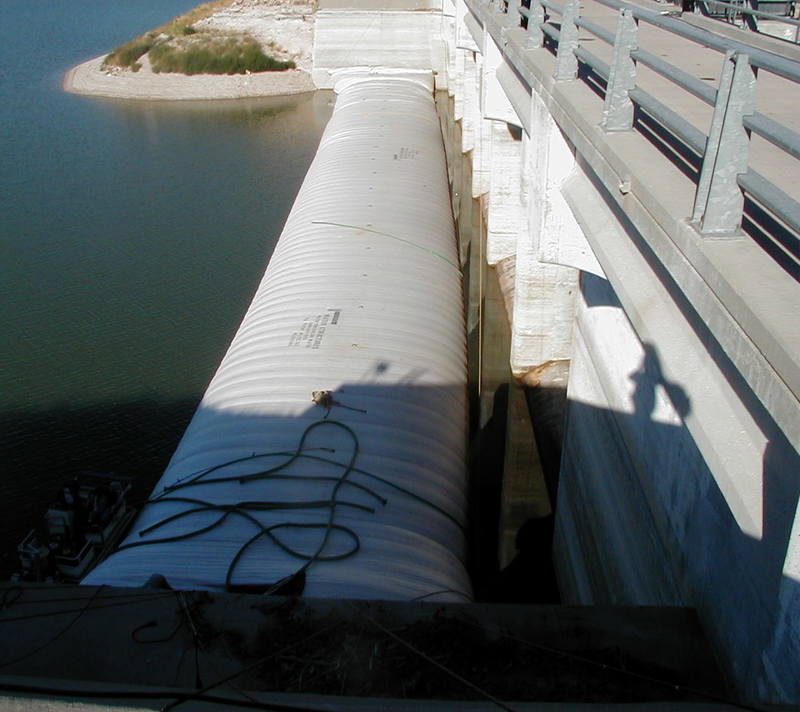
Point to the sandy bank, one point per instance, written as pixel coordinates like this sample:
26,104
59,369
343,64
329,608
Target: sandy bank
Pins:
284,29
89,78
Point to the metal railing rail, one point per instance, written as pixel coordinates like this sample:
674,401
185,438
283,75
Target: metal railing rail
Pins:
724,174
733,8
744,10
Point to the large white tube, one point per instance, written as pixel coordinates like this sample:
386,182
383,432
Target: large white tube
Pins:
362,299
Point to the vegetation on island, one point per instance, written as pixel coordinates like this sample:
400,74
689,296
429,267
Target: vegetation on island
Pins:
179,46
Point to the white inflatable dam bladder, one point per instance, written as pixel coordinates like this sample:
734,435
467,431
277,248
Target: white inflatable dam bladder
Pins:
328,454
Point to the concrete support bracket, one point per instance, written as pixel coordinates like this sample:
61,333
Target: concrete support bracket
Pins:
535,19
512,8
618,108
719,199
566,61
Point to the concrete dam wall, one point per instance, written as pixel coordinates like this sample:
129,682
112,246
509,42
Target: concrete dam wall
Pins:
627,236
598,280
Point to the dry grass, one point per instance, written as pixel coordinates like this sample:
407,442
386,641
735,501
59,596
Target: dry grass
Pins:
207,53
201,12
178,46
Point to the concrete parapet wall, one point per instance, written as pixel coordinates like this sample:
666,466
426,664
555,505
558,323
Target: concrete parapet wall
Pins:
396,39
680,479
679,483
642,519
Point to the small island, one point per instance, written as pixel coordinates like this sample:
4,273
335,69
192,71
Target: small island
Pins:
223,49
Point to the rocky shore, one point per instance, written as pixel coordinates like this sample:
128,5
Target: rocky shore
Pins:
285,29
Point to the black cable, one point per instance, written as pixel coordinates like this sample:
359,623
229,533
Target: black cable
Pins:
10,597
152,624
55,691
19,601
57,635
269,532
273,532
266,475
200,646
441,590
424,656
63,611
613,668
270,474
292,455
258,663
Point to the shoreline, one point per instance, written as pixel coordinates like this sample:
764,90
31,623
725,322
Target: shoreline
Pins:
88,79
283,27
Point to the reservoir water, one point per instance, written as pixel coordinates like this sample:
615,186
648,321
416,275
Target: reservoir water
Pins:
133,235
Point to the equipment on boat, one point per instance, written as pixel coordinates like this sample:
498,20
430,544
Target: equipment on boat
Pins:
82,524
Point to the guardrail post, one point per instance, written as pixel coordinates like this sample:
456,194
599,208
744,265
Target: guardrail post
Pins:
535,20
566,61
618,108
512,8
719,199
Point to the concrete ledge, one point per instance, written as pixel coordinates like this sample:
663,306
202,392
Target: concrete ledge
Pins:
736,289
121,641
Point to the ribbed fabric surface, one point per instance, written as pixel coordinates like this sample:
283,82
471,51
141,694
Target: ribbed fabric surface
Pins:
362,299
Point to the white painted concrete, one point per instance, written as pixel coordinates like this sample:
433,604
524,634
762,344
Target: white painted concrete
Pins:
680,478
365,38
505,220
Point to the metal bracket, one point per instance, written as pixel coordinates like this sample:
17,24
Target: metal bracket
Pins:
566,61
618,107
719,199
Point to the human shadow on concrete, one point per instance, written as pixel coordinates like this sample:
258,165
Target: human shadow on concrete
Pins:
654,526
178,643
530,577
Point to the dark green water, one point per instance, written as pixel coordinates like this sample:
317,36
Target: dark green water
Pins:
132,236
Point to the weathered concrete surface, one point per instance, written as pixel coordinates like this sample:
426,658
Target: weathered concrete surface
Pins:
353,34
679,482
276,700
168,643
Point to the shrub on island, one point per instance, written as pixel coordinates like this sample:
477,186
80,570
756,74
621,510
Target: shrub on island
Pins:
129,54
214,55
179,46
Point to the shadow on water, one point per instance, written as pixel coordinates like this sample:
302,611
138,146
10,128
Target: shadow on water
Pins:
486,482
399,429
135,239
43,449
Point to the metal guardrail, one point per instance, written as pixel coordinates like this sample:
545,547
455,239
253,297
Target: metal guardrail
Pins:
724,176
749,15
